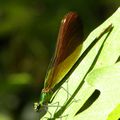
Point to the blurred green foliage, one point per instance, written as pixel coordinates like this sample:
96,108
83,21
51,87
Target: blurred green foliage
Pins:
28,32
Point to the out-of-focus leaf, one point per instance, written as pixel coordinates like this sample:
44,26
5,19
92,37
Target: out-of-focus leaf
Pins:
5,117
19,79
14,16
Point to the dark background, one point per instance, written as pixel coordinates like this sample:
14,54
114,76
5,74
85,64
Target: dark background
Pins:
28,33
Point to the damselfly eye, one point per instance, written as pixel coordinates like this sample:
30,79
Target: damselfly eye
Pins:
37,106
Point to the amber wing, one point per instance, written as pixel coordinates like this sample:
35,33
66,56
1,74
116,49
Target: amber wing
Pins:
68,47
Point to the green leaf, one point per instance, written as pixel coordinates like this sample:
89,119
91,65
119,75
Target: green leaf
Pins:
107,81
115,114
90,75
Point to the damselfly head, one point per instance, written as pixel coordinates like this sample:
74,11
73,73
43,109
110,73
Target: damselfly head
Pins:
37,106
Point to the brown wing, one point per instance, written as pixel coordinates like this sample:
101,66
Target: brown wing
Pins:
70,37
